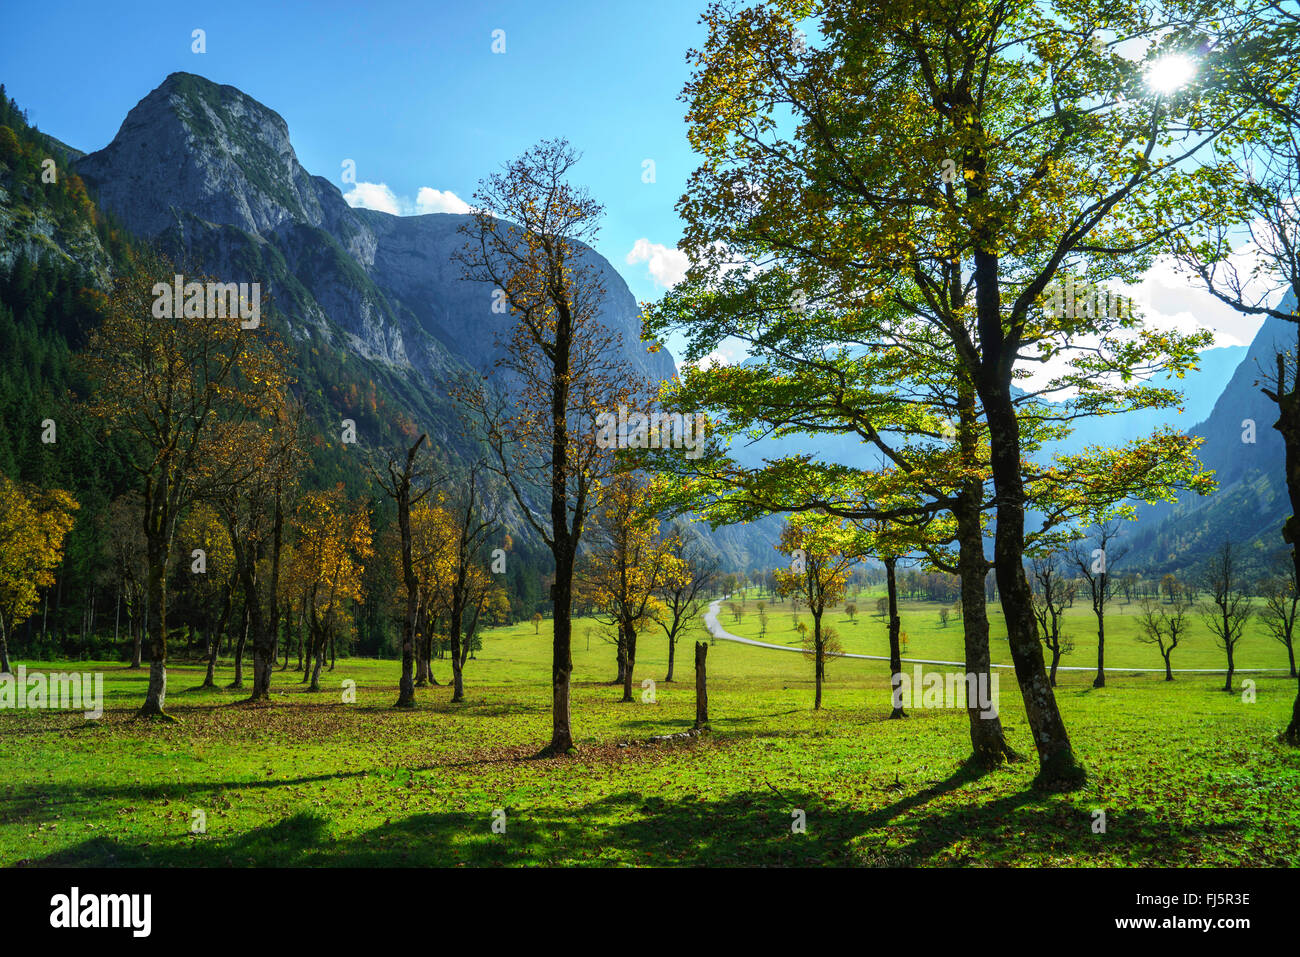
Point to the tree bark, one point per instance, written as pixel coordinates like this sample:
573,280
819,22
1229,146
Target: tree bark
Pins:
672,649
701,687
268,629
989,747
1058,767
155,700
288,637
214,642
621,654
1100,680
629,660
4,650
318,643
1288,423
137,638
895,629
561,660
457,662
244,624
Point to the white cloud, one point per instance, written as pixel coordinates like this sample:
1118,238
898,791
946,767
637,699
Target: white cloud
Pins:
373,196
1171,298
428,200
666,266
730,352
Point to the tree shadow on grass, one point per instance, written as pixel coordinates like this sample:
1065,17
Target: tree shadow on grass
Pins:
750,828
36,805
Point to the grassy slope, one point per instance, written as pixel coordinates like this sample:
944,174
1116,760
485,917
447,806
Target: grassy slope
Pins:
1187,775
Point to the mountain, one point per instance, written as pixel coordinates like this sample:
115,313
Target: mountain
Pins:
210,175
379,318
1247,455
1200,389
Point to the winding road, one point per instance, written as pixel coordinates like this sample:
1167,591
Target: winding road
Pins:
717,631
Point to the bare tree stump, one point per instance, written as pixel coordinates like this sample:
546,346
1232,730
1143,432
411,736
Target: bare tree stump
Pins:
701,687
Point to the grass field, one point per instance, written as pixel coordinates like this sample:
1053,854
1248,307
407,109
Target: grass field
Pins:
1186,774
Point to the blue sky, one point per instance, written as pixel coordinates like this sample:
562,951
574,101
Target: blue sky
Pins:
411,91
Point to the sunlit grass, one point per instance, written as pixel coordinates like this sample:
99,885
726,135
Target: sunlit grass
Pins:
1187,774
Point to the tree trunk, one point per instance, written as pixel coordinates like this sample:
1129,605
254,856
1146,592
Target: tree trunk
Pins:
318,642
457,670
137,638
406,684
989,746
244,623
895,629
4,649
457,662
820,668
288,638
701,687
1227,684
1292,733
155,701
1288,423
1169,671
629,661
672,648
267,630
1100,680
1058,767
1056,661
621,655
561,658
424,655
214,642
306,649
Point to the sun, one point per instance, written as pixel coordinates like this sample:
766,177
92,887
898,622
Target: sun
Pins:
1170,73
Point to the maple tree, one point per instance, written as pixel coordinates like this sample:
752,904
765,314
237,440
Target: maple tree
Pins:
397,484
626,565
265,458
333,543
823,552
33,526
176,389
528,244
681,595
459,528
940,172
123,537
203,528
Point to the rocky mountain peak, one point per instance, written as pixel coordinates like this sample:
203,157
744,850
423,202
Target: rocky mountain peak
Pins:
209,150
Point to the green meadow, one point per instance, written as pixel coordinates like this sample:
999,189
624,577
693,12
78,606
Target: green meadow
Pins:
1180,773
